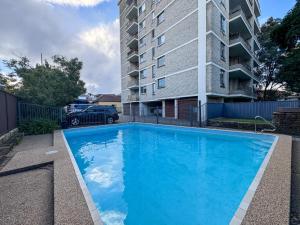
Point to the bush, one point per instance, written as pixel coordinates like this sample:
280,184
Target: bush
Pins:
42,126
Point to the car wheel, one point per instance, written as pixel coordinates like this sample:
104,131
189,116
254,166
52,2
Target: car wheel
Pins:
110,120
75,121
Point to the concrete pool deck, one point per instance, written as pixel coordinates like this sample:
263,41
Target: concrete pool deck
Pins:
270,203
69,204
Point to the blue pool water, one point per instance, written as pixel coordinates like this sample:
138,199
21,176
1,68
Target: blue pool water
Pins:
141,174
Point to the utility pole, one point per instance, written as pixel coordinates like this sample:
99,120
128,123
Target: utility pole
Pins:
41,59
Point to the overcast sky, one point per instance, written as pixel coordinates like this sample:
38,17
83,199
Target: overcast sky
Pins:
87,29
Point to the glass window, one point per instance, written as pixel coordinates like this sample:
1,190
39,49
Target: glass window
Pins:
222,82
160,17
153,53
223,24
142,58
161,83
161,40
161,61
153,89
142,24
222,51
144,90
153,71
143,74
142,8
143,41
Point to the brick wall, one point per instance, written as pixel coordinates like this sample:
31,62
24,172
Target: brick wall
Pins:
287,121
170,112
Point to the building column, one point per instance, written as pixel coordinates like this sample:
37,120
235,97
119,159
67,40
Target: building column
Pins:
163,108
176,108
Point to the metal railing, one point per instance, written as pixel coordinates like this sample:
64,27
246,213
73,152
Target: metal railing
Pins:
132,67
267,122
235,38
29,112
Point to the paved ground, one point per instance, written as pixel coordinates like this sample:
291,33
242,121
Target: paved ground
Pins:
45,195
295,191
27,197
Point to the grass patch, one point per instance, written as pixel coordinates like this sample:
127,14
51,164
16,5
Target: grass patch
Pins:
233,120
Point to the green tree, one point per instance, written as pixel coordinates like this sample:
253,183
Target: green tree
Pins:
54,85
287,36
269,56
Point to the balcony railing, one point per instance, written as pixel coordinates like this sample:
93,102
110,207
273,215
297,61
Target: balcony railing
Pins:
130,23
240,12
131,38
133,98
247,91
243,66
132,67
133,84
132,53
235,38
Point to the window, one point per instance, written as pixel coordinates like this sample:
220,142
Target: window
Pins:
142,58
160,18
153,53
223,24
161,83
222,83
142,8
222,51
153,89
153,34
143,41
161,40
144,90
153,71
143,74
161,61
142,24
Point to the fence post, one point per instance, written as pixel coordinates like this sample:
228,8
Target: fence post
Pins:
199,114
191,114
156,113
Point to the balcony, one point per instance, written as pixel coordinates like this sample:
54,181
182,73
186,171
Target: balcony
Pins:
133,84
239,23
132,27
133,98
133,56
245,91
132,10
132,42
239,47
133,70
257,9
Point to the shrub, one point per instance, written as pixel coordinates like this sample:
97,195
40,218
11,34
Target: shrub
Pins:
41,126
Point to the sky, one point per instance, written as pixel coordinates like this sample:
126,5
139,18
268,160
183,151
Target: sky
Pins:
87,29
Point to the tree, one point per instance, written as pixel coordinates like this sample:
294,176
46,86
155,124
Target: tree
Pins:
287,36
53,85
269,55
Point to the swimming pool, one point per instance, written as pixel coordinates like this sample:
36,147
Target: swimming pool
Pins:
140,174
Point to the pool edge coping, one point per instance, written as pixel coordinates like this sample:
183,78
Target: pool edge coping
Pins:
95,214
246,201
241,211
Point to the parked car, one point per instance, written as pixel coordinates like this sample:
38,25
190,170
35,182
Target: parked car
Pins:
77,107
92,115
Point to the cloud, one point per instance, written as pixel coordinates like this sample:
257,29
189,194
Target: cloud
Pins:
35,27
77,3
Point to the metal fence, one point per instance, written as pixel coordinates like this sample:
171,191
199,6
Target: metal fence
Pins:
8,112
29,112
188,114
246,110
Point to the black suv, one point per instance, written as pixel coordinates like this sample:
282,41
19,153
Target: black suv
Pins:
92,115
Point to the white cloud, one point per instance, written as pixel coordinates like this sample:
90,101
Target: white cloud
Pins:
51,30
77,3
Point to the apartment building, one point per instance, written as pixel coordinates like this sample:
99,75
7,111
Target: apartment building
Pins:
179,52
